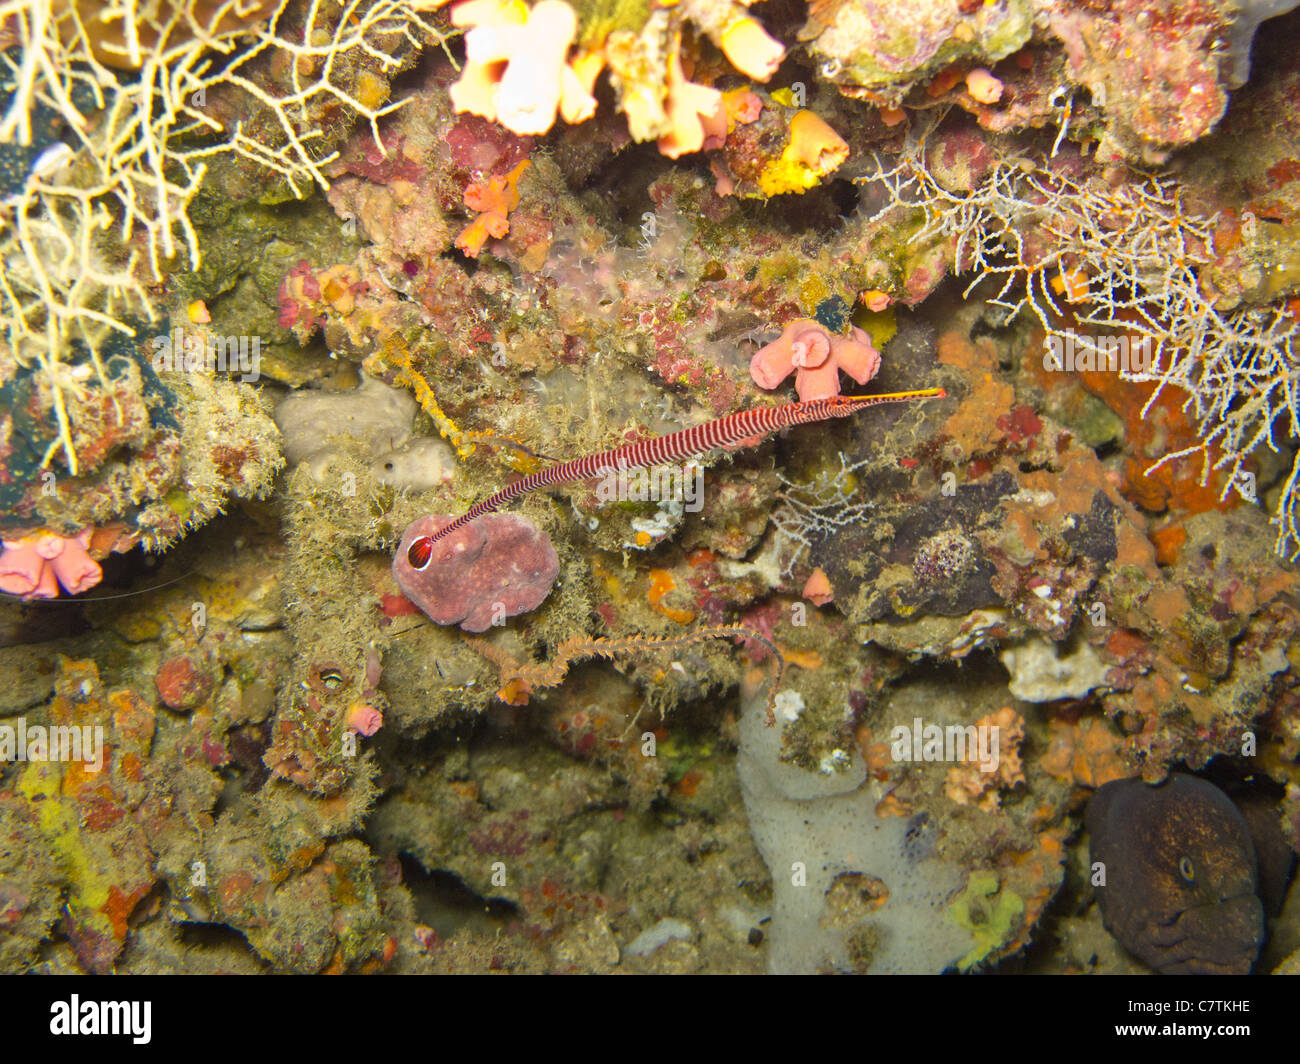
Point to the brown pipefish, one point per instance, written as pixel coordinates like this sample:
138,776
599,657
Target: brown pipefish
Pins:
745,428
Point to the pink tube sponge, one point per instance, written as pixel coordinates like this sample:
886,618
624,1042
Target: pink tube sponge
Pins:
20,568
36,566
364,719
816,357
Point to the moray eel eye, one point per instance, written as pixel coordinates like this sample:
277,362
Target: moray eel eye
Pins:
1186,869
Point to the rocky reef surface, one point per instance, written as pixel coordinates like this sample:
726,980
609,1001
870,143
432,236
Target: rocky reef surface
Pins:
829,698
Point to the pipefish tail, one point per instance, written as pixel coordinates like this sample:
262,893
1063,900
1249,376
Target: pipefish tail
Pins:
746,428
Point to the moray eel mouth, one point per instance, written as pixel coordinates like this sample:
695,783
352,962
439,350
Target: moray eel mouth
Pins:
1219,937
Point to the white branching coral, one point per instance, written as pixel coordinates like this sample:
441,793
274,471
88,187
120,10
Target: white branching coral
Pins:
1127,260
131,86
819,509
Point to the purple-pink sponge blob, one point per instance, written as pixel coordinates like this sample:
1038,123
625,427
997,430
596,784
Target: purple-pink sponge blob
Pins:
497,566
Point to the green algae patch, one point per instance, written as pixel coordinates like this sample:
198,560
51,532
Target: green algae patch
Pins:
881,326
178,501
104,863
684,753
991,915
597,19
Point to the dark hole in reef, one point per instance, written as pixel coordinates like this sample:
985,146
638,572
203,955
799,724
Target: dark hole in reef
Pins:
992,323
980,667
783,19
39,621
618,192
125,575
1272,54
820,211
844,194
445,903
615,190
456,45
454,254
121,571
246,745
417,76
1108,449
1238,776
590,167
212,936
314,348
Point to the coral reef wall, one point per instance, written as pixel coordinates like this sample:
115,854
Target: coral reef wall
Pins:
287,288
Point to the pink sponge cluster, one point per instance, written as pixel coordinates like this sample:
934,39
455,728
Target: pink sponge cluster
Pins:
495,567
37,566
816,357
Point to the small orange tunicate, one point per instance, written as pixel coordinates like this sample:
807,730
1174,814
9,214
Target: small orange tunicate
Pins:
983,86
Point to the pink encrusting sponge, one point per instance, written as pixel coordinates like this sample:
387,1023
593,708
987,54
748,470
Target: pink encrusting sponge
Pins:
487,570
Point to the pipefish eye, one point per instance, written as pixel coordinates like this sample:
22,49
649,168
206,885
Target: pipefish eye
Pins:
420,551
1186,869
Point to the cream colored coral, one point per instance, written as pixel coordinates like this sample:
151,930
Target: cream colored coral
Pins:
751,50
537,82
634,61
690,109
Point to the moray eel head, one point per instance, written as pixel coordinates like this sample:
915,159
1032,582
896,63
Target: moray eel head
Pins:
1181,881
